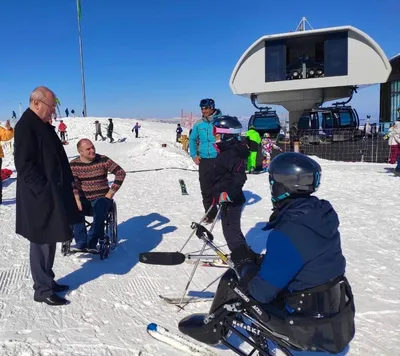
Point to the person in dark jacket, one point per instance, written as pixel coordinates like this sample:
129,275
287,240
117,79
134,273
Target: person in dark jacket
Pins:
136,129
178,131
301,276
110,129
229,177
45,204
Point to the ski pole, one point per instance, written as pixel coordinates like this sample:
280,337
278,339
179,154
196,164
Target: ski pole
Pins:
201,252
202,219
192,274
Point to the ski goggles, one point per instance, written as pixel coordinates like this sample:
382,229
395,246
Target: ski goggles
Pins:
207,103
220,130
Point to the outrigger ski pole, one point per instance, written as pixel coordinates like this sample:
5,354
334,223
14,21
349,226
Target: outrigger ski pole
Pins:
202,219
207,237
176,258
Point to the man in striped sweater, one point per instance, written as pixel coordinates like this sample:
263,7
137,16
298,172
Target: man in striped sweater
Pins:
92,191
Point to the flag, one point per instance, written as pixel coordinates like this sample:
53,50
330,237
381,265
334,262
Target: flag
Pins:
78,6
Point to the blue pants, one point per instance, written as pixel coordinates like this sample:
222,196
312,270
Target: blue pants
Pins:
397,169
99,208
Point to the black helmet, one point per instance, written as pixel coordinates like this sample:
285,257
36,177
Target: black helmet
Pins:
292,175
207,103
227,126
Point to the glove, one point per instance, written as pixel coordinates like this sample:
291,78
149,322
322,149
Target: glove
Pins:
246,272
224,198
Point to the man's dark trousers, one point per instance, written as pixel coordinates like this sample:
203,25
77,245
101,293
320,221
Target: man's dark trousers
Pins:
206,178
42,260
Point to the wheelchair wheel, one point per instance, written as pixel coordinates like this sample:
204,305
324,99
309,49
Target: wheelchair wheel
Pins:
113,228
104,249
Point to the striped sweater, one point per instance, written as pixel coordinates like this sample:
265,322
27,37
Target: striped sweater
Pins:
90,179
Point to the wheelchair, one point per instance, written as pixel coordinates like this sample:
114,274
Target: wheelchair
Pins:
107,244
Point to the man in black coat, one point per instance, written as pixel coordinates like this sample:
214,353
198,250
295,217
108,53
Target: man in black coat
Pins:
45,204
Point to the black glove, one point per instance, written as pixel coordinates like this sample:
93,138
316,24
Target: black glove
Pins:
246,272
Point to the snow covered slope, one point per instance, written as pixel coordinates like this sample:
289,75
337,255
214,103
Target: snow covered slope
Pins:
112,301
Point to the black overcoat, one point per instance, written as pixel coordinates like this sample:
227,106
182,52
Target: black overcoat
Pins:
45,204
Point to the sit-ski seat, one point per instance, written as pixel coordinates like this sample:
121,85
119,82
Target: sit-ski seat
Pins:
232,310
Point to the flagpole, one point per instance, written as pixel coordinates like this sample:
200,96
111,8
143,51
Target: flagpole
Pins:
78,8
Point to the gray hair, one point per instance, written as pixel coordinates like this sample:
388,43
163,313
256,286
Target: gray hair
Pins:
39,93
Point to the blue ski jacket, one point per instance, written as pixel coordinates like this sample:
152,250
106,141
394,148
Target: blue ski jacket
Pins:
303,249
202,132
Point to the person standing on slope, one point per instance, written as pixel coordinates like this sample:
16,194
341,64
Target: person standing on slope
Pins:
266,148
229,178
6,134
136,129
253,140
110,130
204,155
98,131
45,204
178,131
62,128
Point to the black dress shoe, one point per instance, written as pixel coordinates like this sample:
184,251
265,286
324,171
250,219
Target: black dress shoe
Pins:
52,300
60,287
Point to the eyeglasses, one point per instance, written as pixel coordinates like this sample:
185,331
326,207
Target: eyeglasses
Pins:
205,108
50,106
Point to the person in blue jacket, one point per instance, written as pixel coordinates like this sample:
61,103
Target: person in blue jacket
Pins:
302,273
203,153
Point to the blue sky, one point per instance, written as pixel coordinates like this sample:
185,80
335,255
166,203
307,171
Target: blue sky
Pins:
152,58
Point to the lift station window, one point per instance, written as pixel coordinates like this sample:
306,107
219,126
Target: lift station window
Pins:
275,61
315,56
336,54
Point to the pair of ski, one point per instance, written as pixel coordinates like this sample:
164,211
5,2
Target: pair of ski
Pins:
176,258
178,342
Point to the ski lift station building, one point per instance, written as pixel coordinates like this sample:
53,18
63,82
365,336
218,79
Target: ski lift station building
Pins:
390,93
303,69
